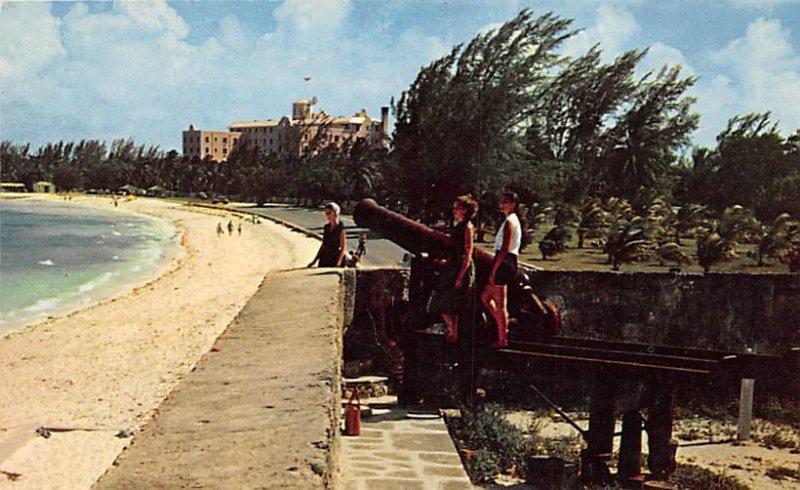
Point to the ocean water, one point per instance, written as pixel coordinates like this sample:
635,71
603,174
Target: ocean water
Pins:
55,257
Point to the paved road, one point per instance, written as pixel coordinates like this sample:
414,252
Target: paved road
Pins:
380,251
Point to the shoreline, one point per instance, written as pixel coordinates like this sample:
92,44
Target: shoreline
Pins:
171,254
104,369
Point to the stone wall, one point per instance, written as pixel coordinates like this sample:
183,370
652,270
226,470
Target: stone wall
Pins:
725,311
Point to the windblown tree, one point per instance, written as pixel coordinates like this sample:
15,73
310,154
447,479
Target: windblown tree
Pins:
565,136
641,145
458,126
750,159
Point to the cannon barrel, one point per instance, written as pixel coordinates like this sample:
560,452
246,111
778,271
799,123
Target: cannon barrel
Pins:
413,236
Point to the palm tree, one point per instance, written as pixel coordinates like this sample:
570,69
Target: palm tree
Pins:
718,241
776,240
672,251
593,221
627,241
555,241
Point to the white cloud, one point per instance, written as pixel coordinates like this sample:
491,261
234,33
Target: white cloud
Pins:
765,72
130,70
716,103
234,34
313,17
615,26
661,54
31,39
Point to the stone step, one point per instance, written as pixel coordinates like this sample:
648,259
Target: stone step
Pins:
368,387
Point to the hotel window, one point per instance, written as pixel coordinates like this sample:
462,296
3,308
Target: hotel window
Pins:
206,139
208,150
224,151
224,140
335,139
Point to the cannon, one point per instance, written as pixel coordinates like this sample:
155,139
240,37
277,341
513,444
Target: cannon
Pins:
531,317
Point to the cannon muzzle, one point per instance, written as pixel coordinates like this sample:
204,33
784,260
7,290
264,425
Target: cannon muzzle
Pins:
413,236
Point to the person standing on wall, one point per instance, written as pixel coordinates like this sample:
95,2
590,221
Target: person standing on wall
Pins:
334,243
507,243
460,278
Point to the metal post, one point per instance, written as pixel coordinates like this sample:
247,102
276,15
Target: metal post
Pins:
630,450
661,459
600,439
745,408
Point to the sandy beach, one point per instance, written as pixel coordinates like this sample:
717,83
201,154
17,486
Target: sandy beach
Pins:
97,375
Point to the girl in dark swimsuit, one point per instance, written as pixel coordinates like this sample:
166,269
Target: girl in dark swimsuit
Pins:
334,244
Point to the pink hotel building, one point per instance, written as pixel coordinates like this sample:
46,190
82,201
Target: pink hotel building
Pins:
288,135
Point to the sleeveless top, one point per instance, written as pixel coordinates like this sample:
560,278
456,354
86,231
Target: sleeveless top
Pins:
516,235
457,251
330,245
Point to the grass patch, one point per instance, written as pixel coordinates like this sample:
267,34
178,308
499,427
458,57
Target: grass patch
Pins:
778,439
691,477
784,473
594,259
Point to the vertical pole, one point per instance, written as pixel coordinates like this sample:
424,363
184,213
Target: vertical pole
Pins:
630,450
600,439
661,459
745,408
601,416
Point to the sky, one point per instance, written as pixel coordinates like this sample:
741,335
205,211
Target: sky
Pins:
148,69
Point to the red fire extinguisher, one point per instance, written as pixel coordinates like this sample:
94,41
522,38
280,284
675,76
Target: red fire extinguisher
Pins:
352,415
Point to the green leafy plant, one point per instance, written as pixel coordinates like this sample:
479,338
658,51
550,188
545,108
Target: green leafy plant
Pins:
555,241
490,443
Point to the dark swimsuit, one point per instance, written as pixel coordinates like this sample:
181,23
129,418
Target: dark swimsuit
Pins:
331,246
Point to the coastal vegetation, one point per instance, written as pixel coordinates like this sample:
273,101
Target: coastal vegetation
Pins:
600,151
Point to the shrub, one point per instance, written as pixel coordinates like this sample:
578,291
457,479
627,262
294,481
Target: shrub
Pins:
491,443
784,473
691,477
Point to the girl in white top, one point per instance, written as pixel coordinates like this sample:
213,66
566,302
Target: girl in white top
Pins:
507,243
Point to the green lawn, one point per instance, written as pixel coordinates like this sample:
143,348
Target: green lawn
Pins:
593,259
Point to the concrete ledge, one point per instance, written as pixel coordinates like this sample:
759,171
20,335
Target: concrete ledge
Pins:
261,410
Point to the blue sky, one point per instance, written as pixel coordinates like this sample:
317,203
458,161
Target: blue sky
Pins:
146,70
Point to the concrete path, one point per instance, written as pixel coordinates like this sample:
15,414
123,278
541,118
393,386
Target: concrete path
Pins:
402,453
258,411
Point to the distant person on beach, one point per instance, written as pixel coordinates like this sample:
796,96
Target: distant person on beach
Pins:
458,279
220,231
507,242
362,246
239,229
334,244
230,227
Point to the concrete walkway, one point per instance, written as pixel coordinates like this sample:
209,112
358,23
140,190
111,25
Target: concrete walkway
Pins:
395,452
258,410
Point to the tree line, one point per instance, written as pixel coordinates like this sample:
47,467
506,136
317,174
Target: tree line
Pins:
504,111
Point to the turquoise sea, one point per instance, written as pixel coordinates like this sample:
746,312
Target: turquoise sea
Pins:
55,257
